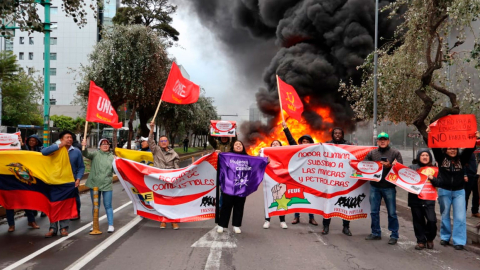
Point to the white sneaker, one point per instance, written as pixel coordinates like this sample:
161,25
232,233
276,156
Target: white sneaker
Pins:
110,229
91,229
237,229
219,229
283,225
266,225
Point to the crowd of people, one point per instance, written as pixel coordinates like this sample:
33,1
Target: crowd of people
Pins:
458,177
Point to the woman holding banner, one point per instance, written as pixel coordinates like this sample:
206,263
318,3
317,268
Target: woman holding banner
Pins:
423,211
451,193
283,224
101,173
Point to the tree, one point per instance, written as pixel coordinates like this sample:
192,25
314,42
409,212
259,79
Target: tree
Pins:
155,14
131,65
412,83
77,125
8,66
21,96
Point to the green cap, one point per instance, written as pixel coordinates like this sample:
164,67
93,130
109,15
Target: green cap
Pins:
382,135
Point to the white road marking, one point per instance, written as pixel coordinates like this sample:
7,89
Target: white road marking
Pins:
104,245
215,241
45,248
318,236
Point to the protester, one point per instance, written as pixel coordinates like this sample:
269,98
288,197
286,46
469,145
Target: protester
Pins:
451,193
164,157
283,224
423,211
185,144
387,156
144,145
33,144
235,203
78,168
337,138
305,139
471,185
225,144
101,173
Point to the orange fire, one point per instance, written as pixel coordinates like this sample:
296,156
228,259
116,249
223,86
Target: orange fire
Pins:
297,129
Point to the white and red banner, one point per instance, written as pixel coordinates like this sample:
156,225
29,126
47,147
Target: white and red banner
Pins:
219,128
429,192
99,108
178,195
179,90
9,141
316,178
406,178
367,170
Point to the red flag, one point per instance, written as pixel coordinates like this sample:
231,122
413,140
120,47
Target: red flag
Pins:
291,102
99,108
179,90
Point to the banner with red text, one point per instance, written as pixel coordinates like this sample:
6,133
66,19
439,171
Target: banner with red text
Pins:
406,178
457,131
99,108
9,141
429,192
178,195
316,179
367,170
220,128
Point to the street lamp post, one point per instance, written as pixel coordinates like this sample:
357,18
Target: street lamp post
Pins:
375,78
46,94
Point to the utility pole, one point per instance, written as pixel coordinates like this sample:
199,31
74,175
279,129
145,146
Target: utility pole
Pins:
46,85
375,78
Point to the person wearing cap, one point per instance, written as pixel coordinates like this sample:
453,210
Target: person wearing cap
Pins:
144,145
101,173
384,189
164,157
78,168
305,139
337,138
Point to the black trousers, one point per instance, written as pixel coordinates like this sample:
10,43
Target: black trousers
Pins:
326,222
282,218
424,222
472,187
230,203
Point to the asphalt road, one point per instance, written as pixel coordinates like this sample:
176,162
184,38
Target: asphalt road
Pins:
197,246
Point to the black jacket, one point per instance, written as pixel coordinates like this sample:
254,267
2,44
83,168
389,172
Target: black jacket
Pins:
413,199
391,154
451,170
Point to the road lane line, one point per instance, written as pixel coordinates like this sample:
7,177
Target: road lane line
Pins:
104,245
317,235
47,247
216,242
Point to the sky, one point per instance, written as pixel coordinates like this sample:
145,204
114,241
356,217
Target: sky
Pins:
209,66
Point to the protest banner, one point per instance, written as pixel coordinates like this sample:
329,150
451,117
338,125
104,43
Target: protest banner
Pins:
290,102
367,170
29,180
429,192
406,178
9,141
219,128
178,195
455,131
315,178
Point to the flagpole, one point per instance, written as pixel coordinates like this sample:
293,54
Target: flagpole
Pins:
158,107
85,134
280,101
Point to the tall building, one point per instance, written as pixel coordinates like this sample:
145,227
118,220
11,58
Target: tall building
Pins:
69,48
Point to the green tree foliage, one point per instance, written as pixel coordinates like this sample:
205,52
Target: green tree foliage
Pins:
413,85
155,14
76,125
21,96
8,66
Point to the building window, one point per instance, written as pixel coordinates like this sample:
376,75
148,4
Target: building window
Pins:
22,40
53,101
53,25
31,70
21,56
54,10
53,56
53,87
53,72
53,41
30,40
30,56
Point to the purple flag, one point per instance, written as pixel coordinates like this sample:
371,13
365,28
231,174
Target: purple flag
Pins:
240,175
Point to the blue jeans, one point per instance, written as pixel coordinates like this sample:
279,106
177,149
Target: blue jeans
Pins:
310,216
389,196
447,199
77,199
107,203
11,216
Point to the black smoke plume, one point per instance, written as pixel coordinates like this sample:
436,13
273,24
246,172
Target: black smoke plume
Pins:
318,43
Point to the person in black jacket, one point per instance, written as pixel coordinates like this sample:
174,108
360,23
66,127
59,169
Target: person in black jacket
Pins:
471,185
423,211
337,138
451,193
305,139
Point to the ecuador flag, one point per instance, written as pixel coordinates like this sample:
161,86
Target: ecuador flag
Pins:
138,156
29,180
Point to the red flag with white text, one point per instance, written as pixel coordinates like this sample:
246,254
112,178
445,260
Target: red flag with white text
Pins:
291,102
99,108
179,90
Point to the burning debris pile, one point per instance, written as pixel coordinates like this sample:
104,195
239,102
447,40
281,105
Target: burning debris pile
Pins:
321,42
